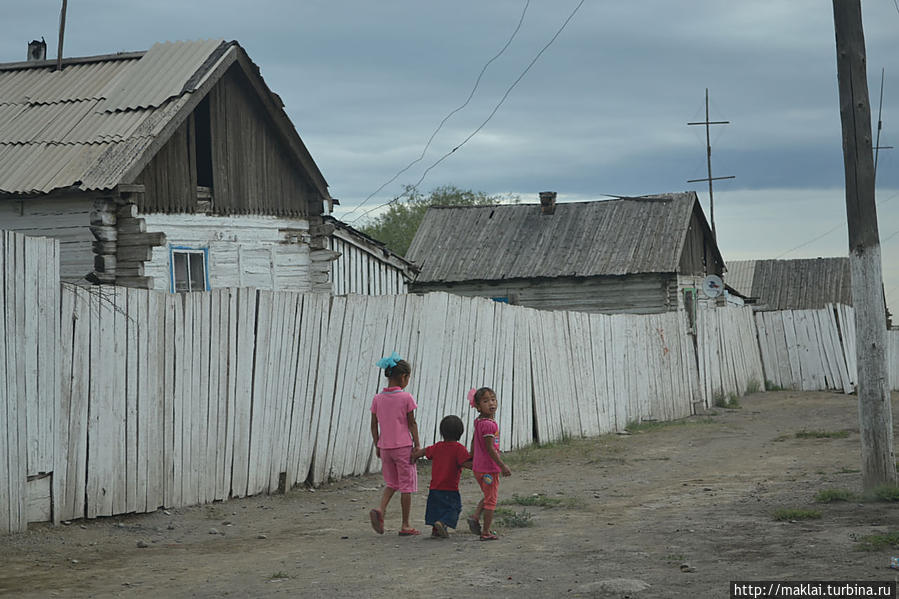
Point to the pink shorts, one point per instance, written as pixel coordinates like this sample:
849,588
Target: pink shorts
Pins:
489,482
399,472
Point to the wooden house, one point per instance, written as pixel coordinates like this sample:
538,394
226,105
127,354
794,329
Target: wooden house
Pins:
175,169
638,255
800,284
797,284
364,265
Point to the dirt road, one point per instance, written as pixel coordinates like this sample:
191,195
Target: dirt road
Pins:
673,511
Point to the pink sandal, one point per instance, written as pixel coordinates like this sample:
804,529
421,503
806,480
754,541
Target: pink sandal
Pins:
489,536
377,521
409,532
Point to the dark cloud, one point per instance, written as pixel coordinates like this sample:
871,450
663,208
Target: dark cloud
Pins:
604,110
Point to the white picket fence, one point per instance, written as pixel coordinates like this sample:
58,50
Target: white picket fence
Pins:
729,360
29,330
813,350
116,401
181,399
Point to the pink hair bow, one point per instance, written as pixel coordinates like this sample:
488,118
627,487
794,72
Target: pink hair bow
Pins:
471,394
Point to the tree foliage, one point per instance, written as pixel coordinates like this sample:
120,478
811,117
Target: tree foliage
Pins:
397,226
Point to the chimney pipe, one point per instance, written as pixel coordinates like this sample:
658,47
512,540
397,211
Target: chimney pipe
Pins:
37,50
62,32
547,202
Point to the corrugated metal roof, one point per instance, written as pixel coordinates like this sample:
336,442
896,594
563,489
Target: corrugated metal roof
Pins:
801,284
160,75
84,126
610,237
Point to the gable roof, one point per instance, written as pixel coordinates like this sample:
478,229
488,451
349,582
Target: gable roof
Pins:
800,284
96,123
371,245
581,239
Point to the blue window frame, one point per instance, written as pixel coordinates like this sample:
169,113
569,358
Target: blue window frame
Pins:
501,300
188,269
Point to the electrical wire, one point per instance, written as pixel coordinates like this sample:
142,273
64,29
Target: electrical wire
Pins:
448,116
414,187
829,231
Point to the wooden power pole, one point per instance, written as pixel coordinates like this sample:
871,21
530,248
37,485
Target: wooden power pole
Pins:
875,417
708,158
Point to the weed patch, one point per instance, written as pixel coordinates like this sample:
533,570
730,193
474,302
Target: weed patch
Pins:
883,493
511,519
535,500
753,386
651,425
769,386
279,576
878,542
730,401
822,434
787,514
834,495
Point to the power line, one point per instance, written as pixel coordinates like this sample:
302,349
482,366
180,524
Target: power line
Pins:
802,245
448,116
829,231
489,117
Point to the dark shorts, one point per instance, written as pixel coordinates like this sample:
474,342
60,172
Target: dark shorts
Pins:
444,506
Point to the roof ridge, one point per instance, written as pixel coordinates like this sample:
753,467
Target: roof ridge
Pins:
40,64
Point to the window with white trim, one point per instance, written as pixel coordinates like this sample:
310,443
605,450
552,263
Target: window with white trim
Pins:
189,270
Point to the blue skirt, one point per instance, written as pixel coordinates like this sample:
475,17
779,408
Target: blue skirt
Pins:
444,506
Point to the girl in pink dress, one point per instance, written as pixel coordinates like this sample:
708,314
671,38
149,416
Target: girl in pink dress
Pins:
486,464
395,433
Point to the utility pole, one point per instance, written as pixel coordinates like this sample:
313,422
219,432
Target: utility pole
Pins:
708,148
875,416
62,31
877,146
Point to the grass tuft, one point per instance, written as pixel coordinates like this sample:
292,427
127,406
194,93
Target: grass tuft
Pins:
753,386
729,401
833,495
279,575
788,514
769,386
636,426
805,434
883,493
878,542
535,500
511,519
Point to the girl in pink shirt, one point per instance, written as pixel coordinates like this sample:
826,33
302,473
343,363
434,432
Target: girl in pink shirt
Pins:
395,433
486,464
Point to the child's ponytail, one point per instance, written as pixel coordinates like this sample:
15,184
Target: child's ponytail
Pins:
474,396
394,366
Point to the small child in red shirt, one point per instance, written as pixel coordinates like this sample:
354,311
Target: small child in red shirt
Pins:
447,460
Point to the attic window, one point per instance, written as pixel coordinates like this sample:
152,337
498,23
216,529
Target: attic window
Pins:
204,144
188,269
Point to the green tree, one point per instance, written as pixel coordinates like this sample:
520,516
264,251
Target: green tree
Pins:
397,226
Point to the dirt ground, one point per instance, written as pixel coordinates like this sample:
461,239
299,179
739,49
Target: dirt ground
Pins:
673,511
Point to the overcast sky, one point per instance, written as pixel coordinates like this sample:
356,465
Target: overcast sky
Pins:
602,111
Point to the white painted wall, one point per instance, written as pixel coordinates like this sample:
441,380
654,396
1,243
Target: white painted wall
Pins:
64,219
358,271
266,252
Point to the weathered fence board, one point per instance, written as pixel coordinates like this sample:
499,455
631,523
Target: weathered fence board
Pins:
812,349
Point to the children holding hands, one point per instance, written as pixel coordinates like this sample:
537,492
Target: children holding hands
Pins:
486,464
395,433
448,457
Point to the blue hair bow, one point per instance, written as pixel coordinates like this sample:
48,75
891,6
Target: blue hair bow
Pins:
389,361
